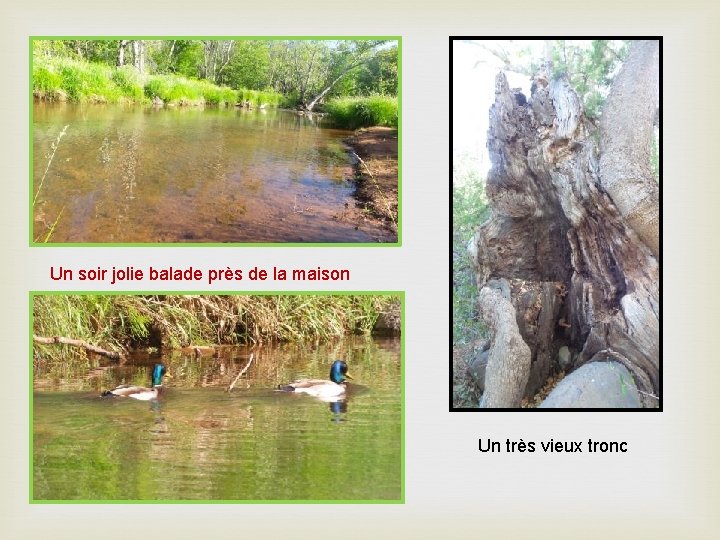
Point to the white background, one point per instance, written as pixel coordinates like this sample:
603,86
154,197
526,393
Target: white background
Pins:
665,486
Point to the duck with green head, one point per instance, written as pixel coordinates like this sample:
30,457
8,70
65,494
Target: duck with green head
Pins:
141,392
334,388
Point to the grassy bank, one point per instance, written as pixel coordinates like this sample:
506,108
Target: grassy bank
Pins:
120,323
357,112
67,79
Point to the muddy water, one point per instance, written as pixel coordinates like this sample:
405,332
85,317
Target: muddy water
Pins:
199,442
142,174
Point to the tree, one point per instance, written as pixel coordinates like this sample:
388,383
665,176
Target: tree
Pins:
249,66
570,256
217,54
346,56
379,75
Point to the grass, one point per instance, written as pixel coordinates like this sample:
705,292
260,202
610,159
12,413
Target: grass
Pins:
357,112
60,79
261,97
123,322
68,79
182,91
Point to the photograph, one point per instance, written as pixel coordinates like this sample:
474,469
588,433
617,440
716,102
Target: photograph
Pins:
190,398
244,140
555,228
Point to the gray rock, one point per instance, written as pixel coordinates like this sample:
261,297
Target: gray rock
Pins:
606,385
564,358
477,369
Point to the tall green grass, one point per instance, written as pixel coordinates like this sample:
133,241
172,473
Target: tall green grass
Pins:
182,91
356,112
61,78
121,322
58,78
257,98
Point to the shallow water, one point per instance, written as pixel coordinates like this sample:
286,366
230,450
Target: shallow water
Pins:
124,174
200,442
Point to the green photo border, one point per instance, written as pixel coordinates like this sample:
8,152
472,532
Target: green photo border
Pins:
398,243
399,294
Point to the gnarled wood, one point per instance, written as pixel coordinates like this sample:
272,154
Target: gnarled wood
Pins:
579,273
508,365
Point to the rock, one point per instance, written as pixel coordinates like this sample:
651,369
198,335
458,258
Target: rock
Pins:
564,358
606,385
477,367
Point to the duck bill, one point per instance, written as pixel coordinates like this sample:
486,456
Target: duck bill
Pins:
348,376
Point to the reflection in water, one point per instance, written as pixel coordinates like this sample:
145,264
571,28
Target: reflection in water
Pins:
201,442
338,409
138,174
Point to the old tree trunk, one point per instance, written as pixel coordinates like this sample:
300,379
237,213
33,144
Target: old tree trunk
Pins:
568,264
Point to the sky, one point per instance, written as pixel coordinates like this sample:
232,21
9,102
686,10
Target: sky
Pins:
474,71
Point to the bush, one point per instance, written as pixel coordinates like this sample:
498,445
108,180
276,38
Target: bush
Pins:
46,80
356,112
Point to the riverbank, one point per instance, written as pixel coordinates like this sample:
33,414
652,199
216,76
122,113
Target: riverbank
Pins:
80,81
353,112
375,151
67,327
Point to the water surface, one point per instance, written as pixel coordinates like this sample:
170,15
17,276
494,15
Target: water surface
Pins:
200,442
124,174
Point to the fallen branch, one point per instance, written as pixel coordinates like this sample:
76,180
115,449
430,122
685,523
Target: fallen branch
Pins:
242,372
55,340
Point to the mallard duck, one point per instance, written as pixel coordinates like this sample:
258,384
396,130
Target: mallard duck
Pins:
335,387
140,392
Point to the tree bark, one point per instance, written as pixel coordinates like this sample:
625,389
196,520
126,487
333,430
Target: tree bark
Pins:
581,269
139,55
627,140
121,52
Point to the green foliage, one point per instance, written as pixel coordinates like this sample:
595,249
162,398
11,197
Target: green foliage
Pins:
469,211
86,82
186,59
82,81
299,70
249,67
261,97
129,82
589,68
355,112
176,90
46,81
379,75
